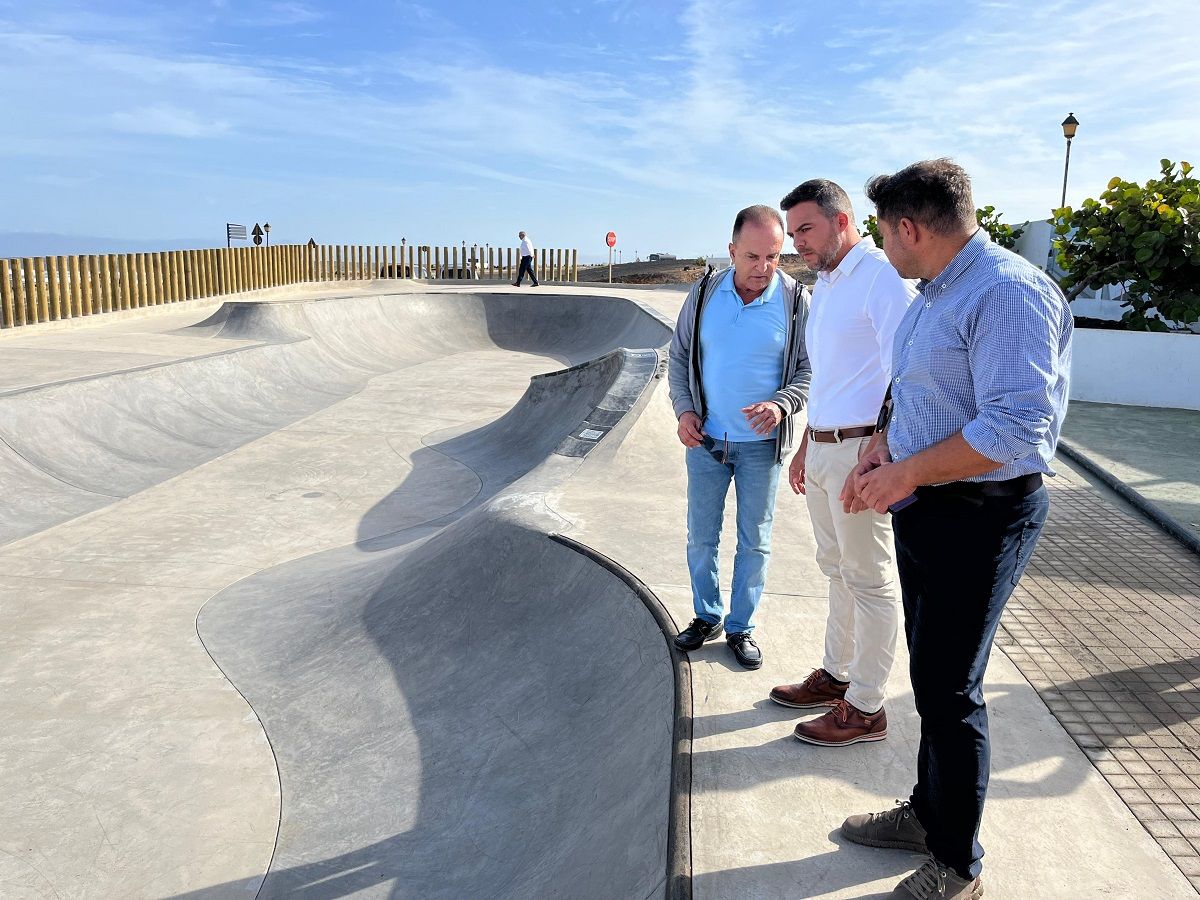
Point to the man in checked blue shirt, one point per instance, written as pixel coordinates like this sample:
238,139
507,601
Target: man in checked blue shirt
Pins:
980,372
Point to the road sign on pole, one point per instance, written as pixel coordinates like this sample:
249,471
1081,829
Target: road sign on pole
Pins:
234,233
611,240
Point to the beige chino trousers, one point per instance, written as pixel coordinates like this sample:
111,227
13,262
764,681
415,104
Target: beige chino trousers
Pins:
854,550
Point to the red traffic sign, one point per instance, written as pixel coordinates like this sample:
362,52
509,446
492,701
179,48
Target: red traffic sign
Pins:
611,239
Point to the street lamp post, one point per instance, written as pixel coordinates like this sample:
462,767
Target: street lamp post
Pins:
1069,126
267,232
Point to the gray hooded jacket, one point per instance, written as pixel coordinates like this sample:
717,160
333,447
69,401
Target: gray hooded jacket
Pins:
683,374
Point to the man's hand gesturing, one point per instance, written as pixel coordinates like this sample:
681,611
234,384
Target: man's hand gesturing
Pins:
763,417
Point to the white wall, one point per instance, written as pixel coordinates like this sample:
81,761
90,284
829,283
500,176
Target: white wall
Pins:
1137,368
1036,243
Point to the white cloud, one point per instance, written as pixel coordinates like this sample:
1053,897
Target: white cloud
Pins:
169,121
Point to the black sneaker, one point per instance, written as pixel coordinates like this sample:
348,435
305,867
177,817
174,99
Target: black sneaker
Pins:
695,635
745,650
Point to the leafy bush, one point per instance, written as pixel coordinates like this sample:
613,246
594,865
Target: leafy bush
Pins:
1004,235
1143,236
871,227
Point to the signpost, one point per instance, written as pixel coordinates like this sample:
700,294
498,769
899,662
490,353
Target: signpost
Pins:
611,240
234,233
257,235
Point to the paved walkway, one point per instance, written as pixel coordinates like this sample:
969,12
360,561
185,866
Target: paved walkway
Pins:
1153,451
1106,623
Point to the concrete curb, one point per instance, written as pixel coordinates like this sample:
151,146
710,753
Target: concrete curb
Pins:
679,830
1164,521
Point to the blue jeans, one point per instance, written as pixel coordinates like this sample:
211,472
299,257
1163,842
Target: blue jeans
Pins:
959,558
755,474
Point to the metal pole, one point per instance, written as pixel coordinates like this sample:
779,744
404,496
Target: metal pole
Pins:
610,265
1066,168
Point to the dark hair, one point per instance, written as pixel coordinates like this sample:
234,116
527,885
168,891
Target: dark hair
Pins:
828,195
935,193
761,214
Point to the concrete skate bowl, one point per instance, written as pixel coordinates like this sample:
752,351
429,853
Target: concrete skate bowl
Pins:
72,447
460,706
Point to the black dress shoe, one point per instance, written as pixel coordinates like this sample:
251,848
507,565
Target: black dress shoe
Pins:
745,650
694,636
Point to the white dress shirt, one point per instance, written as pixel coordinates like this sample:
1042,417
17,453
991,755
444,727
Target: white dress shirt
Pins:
854,314
526,247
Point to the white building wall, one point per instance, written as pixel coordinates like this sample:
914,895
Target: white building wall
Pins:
1137,368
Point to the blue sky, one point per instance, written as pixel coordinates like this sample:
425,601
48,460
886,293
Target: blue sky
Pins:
372,121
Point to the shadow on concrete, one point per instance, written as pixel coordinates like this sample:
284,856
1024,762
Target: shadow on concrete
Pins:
1166,692
837,870
892,762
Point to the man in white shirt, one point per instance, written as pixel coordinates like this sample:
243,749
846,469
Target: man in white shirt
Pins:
526,254
857,303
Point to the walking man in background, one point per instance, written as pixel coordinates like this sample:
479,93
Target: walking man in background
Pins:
857,303
979,390
738,372
526,253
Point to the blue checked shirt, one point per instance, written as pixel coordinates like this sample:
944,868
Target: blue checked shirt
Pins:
985,349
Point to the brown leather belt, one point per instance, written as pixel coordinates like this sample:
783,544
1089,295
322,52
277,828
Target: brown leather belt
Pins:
840,434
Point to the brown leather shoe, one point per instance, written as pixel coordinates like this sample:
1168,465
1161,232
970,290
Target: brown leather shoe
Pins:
843,724
816,691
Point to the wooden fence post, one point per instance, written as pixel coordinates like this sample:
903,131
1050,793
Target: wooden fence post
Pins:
123,280
54,286
20,301
158,282
103,282
169,293
180,275
85,283
152,279
7,301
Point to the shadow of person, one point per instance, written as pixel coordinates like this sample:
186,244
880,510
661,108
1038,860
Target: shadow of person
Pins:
841,869
1104,710
1037,752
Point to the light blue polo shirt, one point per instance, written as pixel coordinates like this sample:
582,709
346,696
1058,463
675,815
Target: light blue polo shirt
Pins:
742,347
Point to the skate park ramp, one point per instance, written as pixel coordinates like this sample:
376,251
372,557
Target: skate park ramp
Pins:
441,714
76,446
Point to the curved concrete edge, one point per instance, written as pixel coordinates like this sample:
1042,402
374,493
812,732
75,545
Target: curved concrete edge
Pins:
1138,501
252,884
679,829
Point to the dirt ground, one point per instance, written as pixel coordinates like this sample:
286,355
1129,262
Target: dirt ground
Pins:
676,271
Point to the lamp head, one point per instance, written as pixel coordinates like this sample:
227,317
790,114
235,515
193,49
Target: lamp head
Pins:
1069,126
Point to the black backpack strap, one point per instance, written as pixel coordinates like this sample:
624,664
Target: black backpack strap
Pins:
702,405
885,411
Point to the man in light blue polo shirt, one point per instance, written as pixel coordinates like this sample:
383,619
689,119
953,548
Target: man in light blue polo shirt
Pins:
738,373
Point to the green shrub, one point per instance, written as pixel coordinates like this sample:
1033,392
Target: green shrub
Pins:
1142,236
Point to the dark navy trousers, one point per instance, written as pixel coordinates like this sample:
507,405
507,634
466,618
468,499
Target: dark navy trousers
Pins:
959,556
526,268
